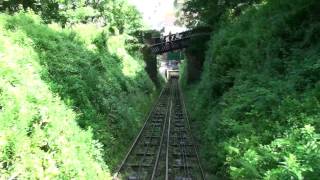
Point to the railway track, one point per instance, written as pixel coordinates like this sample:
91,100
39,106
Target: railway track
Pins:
164,148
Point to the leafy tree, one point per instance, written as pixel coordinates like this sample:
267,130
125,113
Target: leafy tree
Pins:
111,13
210,12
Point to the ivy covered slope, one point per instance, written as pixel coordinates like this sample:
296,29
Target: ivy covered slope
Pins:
70,99
257,105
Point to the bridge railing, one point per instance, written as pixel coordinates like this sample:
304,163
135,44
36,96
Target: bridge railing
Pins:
176,41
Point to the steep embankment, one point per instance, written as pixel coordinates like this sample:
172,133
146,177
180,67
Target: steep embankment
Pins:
70,100
257,104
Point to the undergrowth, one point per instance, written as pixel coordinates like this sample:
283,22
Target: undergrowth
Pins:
70,100
256,107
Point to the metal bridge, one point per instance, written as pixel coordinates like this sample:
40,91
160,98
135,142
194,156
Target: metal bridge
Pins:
177,41
164,148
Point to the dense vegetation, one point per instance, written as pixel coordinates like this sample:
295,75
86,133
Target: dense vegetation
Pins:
71,96
113,14
257,104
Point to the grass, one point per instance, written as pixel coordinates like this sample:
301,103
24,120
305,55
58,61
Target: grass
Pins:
69,106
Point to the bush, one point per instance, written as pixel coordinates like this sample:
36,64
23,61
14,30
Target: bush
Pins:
46,72
257,101
39,137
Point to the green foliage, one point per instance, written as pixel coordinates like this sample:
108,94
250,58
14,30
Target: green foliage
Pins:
117,14
210,12
257,104
92,73
39,137
48,9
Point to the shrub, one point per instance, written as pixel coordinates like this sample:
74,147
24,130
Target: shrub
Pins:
257,100
70,106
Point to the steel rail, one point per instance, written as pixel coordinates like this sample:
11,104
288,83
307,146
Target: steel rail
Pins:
167,147
181,135
146,151
162,136
191,136
166,133
139,135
